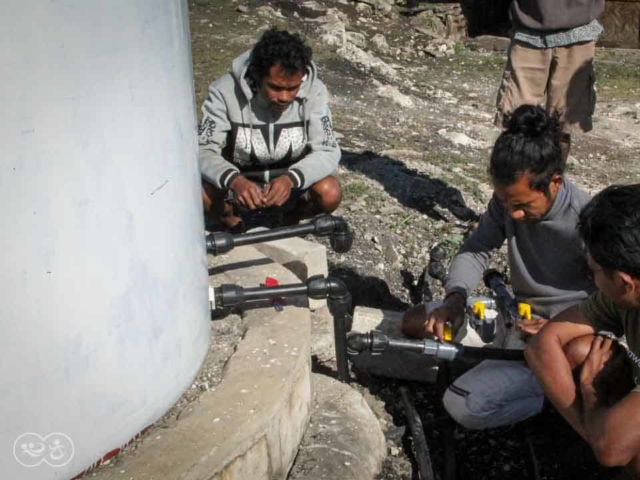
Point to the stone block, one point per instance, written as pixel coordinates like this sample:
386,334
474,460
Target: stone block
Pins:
401,365
344,440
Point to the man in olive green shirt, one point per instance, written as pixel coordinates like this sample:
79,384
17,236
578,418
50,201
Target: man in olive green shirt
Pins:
610,228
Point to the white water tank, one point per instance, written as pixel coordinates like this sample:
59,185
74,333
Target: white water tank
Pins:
104,315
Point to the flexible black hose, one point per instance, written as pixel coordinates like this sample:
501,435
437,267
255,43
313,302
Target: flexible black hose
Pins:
489,353
420,447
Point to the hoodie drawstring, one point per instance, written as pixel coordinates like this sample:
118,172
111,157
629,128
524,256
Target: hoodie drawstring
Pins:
304,119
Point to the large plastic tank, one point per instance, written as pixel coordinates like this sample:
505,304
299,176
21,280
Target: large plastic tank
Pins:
104,314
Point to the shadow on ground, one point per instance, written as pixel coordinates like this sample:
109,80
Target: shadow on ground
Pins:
367,291
412,189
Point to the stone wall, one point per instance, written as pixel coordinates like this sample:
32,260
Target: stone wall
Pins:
621,21
443,20
487,16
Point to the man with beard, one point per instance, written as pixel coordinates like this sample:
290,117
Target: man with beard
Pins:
535,210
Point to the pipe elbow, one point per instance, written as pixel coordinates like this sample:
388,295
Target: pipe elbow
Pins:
336,287
340,225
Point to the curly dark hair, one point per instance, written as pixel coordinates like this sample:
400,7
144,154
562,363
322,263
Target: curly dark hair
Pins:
530,144
278,47
609,225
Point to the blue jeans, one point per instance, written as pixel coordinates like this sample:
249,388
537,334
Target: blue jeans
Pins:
493,394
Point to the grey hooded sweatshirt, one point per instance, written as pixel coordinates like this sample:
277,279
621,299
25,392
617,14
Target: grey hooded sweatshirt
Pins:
547,263
240,132
554,15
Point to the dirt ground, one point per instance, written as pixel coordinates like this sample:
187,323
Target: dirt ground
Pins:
416,141
416,131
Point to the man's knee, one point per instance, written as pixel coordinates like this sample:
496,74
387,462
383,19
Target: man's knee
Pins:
456,405
327,194
577,350
413,322
213,200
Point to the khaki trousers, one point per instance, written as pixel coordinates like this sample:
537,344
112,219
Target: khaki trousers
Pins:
561,79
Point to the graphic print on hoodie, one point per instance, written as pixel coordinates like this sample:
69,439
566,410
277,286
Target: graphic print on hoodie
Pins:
239,131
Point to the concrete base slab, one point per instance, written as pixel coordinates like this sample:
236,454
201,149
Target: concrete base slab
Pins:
400,365
303,258
344,440
250,425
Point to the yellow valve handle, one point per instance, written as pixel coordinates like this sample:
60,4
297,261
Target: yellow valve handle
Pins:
524,310
478,309
448,332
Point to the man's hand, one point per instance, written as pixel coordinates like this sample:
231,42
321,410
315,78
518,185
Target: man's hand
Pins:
278,191
452,312
531,327
598,356
248,193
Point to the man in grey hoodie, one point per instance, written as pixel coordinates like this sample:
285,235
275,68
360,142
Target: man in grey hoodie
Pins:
266,135
551,55
535,210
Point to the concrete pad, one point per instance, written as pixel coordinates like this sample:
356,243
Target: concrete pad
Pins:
322,338
344,440
250,425
302,257
401,365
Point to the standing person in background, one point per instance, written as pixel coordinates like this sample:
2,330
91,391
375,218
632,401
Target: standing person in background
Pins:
550,61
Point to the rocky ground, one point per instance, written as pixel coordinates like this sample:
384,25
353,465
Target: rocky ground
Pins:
413,112
412,103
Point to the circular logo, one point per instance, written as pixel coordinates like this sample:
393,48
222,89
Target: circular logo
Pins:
31,449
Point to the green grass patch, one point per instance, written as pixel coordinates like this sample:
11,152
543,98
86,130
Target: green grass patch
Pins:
406,143
355,190
462,180
469,62
618,80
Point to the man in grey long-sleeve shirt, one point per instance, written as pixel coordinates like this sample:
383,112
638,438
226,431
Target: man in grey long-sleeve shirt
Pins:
535,210
266,134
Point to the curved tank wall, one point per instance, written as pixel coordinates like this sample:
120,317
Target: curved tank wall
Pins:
104,315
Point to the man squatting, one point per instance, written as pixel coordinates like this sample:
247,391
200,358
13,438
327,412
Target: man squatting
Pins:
266,136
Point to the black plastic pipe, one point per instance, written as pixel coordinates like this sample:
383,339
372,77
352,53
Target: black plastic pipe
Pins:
340,236
378,343
333,289
420,447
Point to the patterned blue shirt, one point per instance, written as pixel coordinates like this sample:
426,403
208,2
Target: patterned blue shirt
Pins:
584,33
